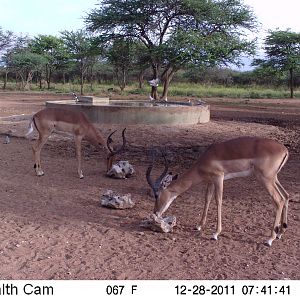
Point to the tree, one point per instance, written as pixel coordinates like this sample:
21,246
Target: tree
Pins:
51,48
6,39
282,50
141,62
25,63
176,33
120,55
82,49
15,45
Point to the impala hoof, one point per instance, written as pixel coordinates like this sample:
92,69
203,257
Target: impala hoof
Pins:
269,242
215,236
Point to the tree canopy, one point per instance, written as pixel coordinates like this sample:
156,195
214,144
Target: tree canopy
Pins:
25,63
52,49
176,33
282,49
81,47
6,39
126,41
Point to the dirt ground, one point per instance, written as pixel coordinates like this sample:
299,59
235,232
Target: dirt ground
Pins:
53,227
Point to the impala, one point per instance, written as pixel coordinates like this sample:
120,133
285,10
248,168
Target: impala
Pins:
239,157
76,123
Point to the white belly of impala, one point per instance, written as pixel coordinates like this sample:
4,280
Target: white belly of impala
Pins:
238,174
235,168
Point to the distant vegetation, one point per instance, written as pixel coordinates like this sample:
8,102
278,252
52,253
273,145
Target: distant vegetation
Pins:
128,43
187,90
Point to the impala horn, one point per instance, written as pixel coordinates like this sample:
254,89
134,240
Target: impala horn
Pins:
155,185
113,152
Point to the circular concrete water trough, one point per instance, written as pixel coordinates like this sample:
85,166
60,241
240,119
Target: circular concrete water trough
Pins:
103,110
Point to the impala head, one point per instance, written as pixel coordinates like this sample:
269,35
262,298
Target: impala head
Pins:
163,197
112,153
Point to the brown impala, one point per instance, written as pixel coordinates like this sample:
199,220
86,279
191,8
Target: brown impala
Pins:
76,123
234,158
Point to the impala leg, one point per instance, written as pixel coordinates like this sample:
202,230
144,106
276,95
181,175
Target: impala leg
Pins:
36,148
218,196
285,196
270,185
78,140
208,197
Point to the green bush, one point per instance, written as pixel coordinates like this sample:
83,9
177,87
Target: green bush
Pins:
176,89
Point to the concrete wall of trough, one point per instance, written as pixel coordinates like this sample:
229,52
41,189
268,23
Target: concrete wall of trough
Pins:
113,114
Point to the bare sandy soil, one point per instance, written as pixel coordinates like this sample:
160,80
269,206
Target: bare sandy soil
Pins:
53,227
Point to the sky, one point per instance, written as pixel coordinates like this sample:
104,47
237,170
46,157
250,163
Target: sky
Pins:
33,17
275,14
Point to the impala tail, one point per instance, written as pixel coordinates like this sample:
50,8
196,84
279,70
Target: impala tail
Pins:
30,128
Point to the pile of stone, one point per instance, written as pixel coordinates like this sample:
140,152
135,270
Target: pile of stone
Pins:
159,224
111,200
121,170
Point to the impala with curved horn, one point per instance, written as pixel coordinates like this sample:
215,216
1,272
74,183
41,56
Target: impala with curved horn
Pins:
156,185
109,147
239,157
76,123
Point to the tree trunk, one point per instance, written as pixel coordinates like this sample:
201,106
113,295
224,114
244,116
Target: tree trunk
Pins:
16,79
40,80
141,78
49,79
117,76
5,79
48,76
28,80
123,83
167,79
81,84
64,78
81,78
292,82
22,84
154,94
91,77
